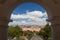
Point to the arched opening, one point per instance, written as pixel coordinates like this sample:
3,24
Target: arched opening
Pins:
31,14
52,8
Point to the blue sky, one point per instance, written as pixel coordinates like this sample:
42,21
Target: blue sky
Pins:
29,14
28,6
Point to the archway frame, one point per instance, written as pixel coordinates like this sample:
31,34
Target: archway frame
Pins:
52,7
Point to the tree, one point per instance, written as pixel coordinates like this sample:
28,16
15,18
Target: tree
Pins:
48,30
18,32
14,32
45,32
11,32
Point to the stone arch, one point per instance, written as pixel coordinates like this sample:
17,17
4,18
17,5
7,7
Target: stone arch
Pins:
42,3
10,5
52,7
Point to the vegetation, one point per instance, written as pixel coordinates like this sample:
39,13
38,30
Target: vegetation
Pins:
14,31
45,32
28,34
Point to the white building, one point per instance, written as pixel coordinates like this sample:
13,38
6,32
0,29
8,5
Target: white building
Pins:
32,28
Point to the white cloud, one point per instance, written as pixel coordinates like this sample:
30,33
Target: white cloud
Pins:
38,18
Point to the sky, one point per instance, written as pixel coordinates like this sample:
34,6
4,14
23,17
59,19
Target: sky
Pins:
29,14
